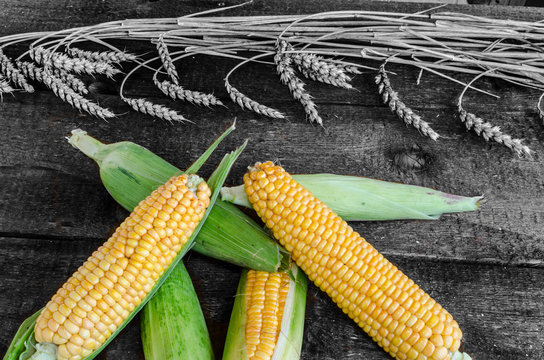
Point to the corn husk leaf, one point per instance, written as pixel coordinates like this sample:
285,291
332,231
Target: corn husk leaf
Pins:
23,334
215,182
172,323
289,343
131,172
356,198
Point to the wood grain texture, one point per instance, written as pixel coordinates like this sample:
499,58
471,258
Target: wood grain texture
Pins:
486,267
498,307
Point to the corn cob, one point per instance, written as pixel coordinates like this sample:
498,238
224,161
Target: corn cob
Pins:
390,307
117,277
130,172
25,345
267,320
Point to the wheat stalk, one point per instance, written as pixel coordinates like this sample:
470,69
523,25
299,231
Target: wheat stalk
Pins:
295,85
78,65
177,92
156,110
13,74
167,60
246,103
107,56
63,91
403,112
71,80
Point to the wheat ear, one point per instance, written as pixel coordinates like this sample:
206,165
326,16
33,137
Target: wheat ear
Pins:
5,88
246,103
156,110
107,56
177,92
72,81
331,80
63,91
317,68
403,112
350,69
492,133
485,129
167,60
295,85
13,74
68,64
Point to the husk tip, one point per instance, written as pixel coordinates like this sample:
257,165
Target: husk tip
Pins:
477,200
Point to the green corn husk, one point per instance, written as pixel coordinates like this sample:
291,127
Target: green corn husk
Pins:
130,173
292,324
356,198
172,323
25,334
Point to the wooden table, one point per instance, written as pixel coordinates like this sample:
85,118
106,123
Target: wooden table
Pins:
485,267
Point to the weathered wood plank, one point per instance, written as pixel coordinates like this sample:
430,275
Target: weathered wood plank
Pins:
47,15
498,308
46,182
485,267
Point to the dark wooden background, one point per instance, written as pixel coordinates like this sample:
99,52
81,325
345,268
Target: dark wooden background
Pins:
485,267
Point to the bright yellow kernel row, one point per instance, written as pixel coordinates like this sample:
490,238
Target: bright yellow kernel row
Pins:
266,294
102,293
390,307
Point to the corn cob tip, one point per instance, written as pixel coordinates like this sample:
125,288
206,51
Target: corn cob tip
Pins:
45,351
458,355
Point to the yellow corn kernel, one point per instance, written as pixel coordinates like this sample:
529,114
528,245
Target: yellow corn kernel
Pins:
96,299
266,294
400,317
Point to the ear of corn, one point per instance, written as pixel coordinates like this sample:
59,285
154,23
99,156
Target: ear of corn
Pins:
356,198
130,172
119,307
172,323
267,320
384,302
